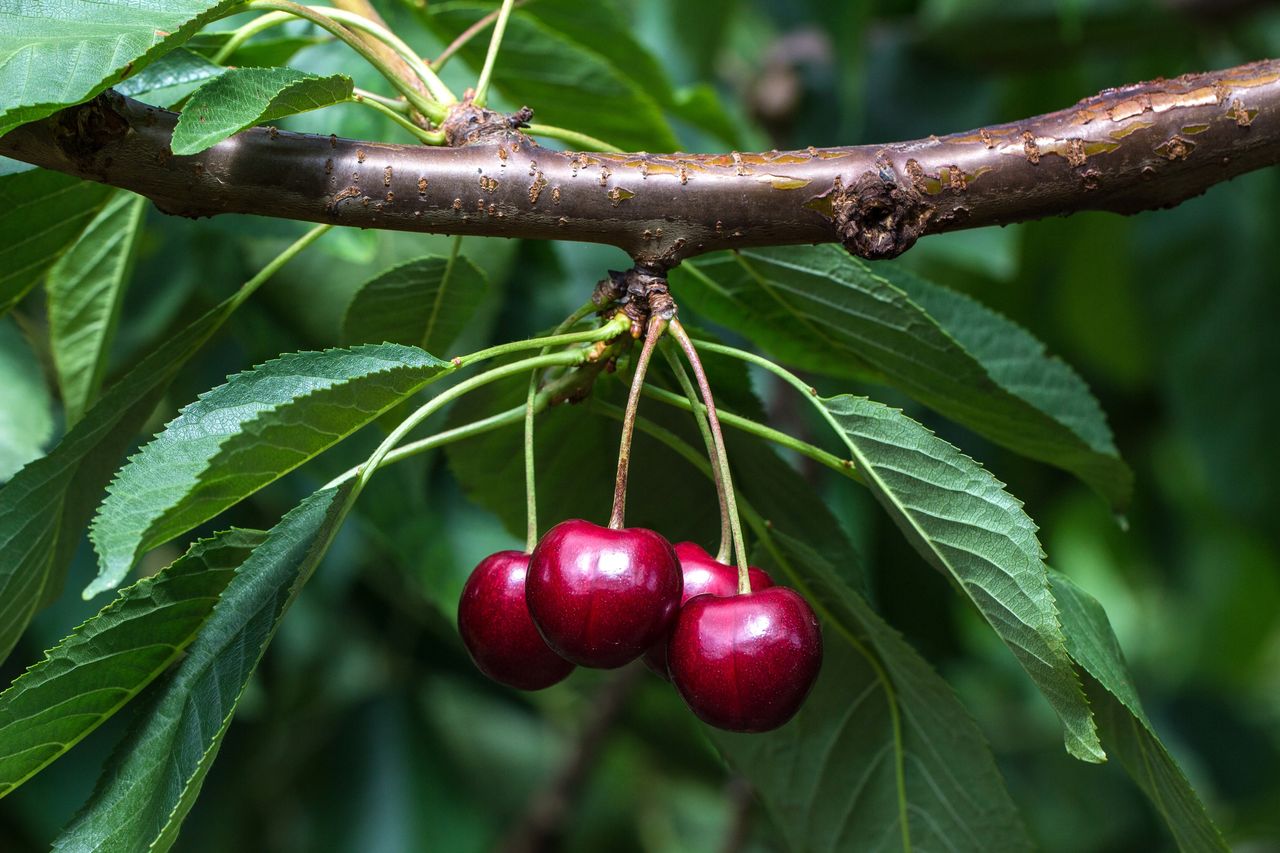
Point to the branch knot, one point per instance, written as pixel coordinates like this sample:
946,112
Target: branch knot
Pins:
879,218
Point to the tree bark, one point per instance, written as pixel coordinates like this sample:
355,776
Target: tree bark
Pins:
1124,150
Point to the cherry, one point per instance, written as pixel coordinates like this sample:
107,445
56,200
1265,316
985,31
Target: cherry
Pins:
745,662
703,574
600,596
494,622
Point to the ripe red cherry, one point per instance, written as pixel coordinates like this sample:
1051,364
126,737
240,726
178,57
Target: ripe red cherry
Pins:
703,574
600,597
746,662
494,622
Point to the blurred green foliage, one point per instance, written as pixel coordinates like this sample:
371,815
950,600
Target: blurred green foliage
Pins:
367,729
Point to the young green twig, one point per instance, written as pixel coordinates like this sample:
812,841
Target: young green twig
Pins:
495,42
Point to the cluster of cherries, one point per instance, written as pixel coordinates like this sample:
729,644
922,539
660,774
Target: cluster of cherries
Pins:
601,597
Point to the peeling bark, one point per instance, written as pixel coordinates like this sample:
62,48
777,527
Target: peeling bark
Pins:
1124,150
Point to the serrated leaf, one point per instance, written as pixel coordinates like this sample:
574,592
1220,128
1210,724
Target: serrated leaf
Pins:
26,410
586,84
425,303
171,78
62,52
243,97
243,435
882,756
1124,725
85,292
45,507
41,214
156,773
106,661
821,309
963,522
1020,364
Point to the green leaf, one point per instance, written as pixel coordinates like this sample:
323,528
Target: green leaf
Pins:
45,507
882,755
571,63
1124,725
26,411
1018,362
156,773
41,214
425,302
85,291
243,97
106,661
967,526
241,436
171,78
62,52
823,310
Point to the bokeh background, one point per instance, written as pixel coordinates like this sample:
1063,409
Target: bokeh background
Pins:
366,728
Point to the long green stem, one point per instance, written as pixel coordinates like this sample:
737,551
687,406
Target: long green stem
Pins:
246,290
429,78
248,31
434,109
804,448
807,391
440,439
573,137
530,481
495,42
724,551
466,36
400,105
610,329
722,456
439,401
657,327
430,137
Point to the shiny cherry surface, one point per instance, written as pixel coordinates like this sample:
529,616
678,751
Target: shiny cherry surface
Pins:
494,622
703,575
745,662
600,597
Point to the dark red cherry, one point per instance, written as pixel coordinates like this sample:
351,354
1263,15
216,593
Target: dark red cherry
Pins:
494,622
745,662
703,575
600,597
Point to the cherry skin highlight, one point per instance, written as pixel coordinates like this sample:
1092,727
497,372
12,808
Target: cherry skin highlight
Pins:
745,662
494,622
600,597
703,574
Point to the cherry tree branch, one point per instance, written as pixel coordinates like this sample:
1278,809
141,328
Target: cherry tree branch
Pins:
1137,147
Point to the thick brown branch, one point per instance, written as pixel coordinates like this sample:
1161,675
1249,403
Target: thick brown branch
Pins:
1129,149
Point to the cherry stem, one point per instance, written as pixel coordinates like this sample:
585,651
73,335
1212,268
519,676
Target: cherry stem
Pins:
531,409
657,326
725,552
722,457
